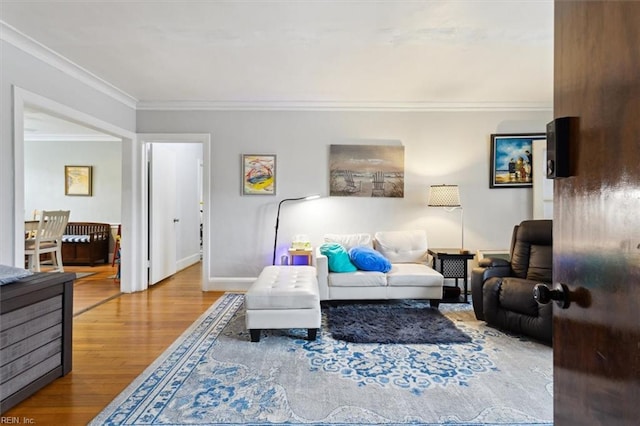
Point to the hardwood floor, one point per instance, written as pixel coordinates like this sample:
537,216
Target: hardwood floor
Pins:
94,289
114,341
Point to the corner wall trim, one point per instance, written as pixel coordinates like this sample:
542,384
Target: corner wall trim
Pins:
25,43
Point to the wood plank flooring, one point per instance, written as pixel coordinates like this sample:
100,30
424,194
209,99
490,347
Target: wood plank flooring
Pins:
92,290
114,341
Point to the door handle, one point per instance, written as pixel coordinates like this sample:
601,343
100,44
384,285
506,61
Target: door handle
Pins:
560,293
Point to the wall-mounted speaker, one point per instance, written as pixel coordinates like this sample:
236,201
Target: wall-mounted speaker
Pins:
558,140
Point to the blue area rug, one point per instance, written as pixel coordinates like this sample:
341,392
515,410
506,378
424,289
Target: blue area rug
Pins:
214,375
392,321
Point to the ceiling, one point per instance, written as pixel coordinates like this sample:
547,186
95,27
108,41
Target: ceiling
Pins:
430,54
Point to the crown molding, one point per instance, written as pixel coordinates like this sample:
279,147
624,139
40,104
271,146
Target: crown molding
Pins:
342,106
27,44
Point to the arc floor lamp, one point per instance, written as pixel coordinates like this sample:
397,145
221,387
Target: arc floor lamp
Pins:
275,240
448,197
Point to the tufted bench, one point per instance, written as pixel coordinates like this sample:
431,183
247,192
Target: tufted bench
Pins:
283,297
85,243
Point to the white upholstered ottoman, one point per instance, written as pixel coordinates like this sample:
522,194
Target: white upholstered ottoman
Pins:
283,297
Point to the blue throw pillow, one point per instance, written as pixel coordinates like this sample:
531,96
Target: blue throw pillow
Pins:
338,258
368,259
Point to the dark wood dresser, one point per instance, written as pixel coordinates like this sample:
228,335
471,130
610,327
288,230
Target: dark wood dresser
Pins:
36,316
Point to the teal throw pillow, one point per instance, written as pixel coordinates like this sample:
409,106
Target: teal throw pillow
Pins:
338,258
368,259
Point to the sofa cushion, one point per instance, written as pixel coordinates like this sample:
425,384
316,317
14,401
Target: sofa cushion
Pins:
413,275
337,258
540,264
283,287
358,279
368,259
348,241
76,238
403,246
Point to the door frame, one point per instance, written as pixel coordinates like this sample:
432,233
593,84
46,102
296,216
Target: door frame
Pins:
143,139
129,280
542,186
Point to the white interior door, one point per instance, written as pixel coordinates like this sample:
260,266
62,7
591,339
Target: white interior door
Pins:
162,212
542,187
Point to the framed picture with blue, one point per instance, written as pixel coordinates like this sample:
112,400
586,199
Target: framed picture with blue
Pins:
258,174
512,159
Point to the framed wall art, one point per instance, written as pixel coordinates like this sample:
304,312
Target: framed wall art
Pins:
78,180
366,171
258,174
512,160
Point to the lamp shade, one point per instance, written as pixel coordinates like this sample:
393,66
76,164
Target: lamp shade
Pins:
444,196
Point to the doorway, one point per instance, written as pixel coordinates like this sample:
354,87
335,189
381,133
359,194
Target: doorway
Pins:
191,218
50,144
174,198
26,103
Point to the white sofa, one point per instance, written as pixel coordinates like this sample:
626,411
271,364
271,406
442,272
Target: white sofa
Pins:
410,276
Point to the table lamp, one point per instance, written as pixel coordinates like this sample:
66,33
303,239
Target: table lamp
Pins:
448,197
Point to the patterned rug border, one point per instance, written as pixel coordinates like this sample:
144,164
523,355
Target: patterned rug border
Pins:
213,321
192,335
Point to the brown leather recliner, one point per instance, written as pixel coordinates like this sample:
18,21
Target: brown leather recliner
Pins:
502,291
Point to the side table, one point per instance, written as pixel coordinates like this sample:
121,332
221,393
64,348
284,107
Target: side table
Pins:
452,264
296,252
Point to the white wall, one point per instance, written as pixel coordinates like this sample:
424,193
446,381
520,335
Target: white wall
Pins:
440,147
37,76
44,163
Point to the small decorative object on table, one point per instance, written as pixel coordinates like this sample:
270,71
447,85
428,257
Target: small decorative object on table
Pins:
301,242
452,263
300,246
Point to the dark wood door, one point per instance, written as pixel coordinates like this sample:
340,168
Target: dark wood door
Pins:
597,214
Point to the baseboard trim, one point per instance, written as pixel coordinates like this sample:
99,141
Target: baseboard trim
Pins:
184,263
228,284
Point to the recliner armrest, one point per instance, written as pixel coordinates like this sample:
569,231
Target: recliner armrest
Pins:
495,267
508,303
493,271
490,262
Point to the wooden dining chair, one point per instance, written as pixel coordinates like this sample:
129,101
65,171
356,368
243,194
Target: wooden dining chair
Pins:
48,239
